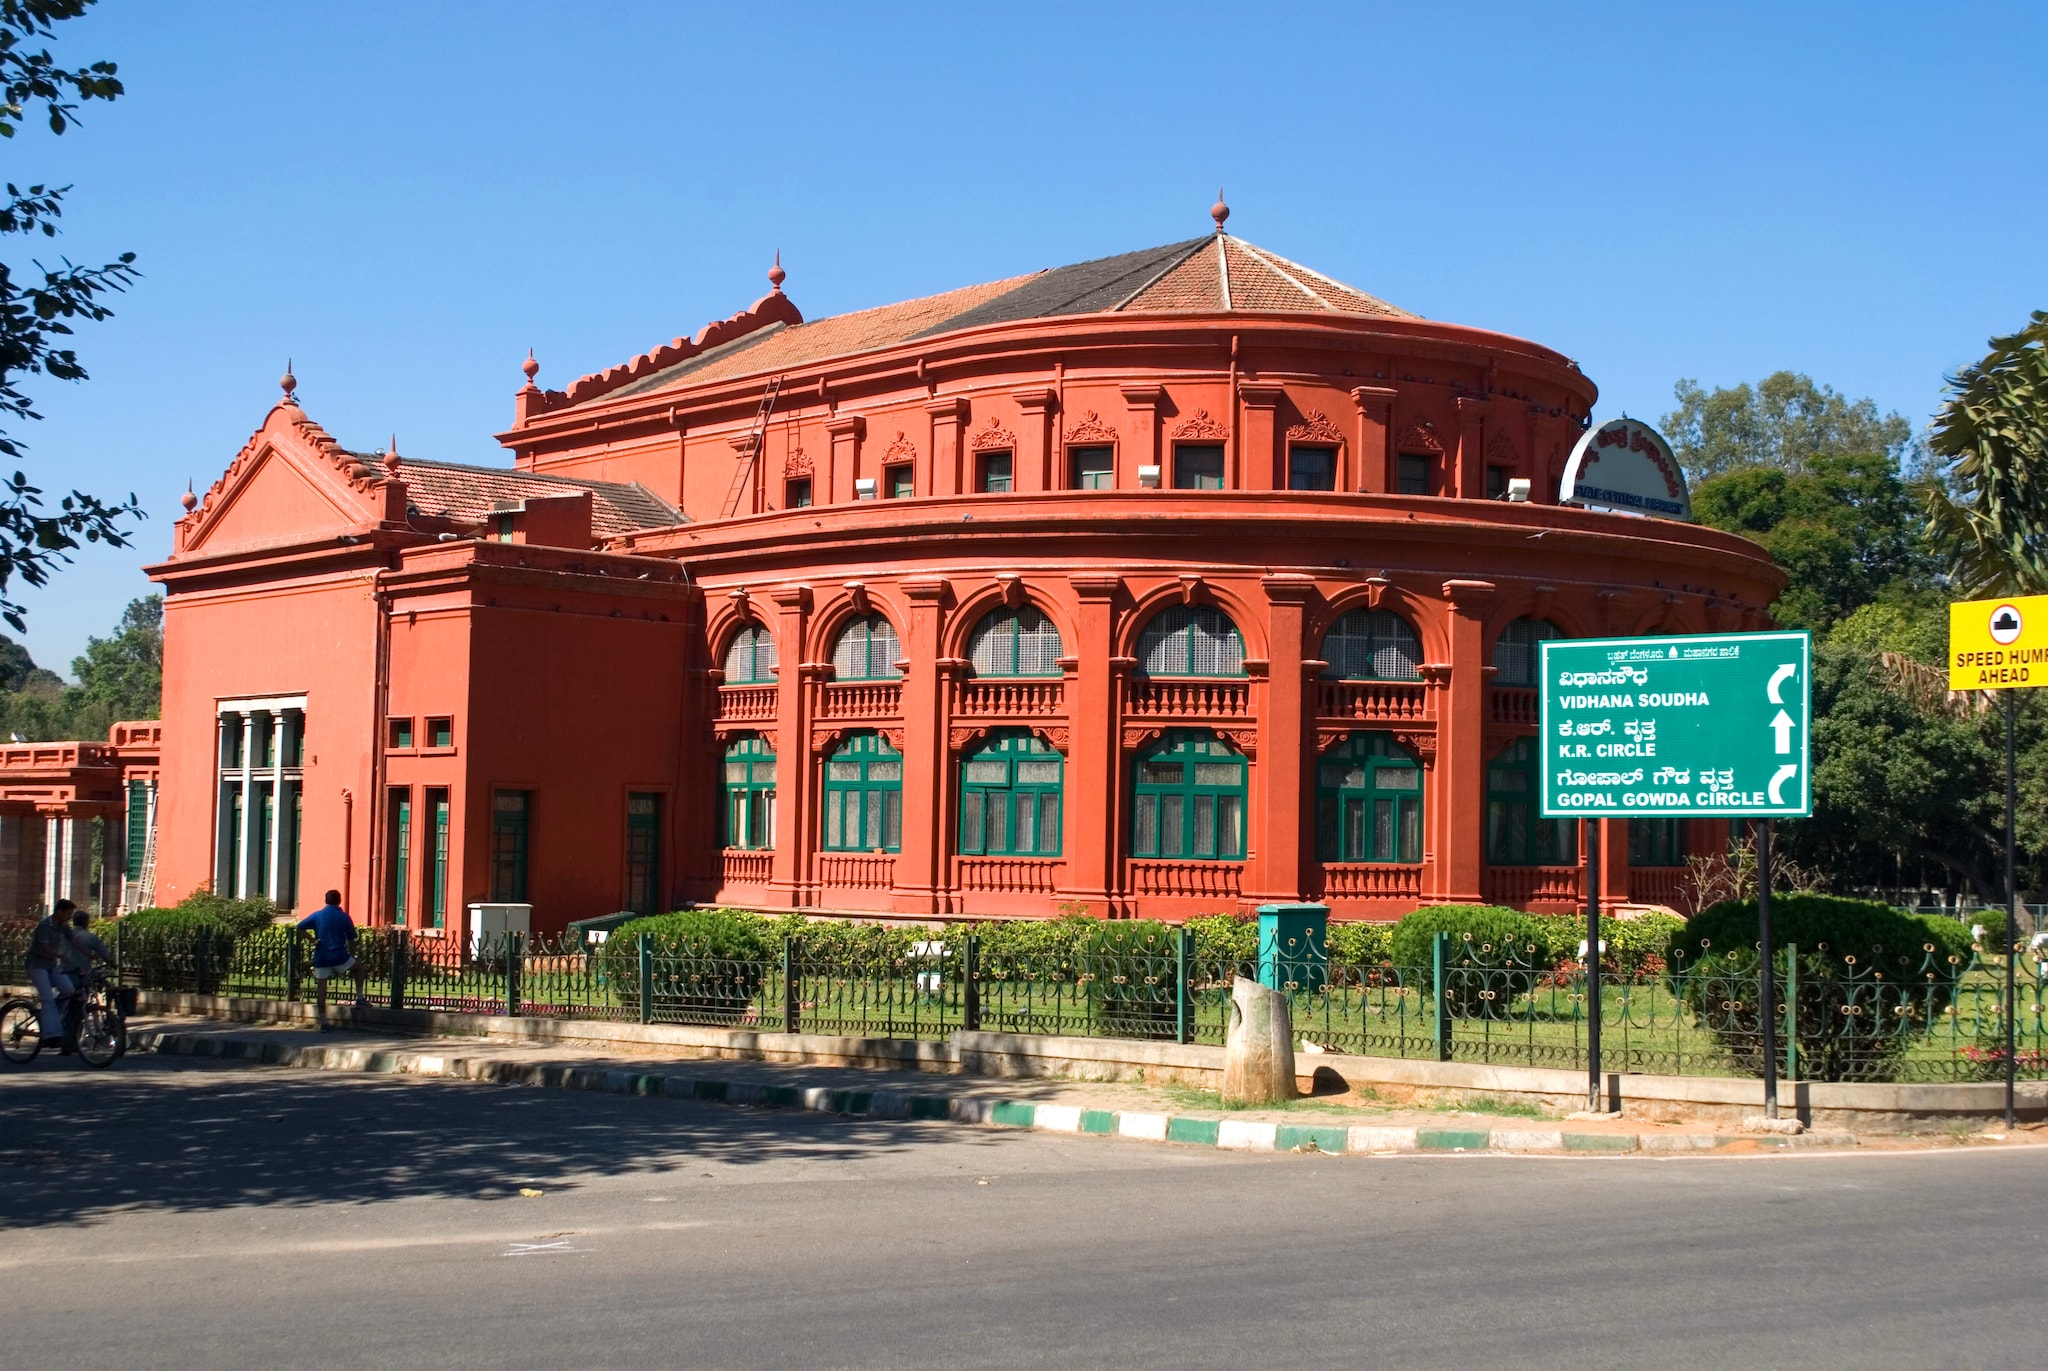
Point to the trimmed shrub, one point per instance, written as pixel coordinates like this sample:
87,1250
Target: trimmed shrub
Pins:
709,964
1225,942
190,946
1496,954
1871,979
1133,977
1356,942
1635,947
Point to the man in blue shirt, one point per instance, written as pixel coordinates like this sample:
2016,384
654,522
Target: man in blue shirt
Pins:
334,942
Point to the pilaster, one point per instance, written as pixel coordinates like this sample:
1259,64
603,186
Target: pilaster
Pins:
1461,728
1034,437
1470,465
1286,735
1144,402
949,417
790,871
1094,820
846,431
925,753
1261,465
1375,419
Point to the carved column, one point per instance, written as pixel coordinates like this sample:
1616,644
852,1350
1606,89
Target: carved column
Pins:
1550,445
1460,753
846,431
924,752
795,822
1286,748
1144,402
1262,465
1375,417
1469,479
1092,832
1034,437
949,416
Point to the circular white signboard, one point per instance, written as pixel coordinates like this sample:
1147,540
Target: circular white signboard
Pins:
1626,465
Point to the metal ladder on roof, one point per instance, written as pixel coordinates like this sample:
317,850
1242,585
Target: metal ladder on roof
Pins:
145,885
757,437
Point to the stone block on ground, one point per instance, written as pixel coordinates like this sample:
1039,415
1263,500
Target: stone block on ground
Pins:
1258,1060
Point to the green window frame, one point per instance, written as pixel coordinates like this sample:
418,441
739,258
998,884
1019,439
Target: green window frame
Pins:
867,649
401,854
1658,841
864,796
1311,467
1010,797
994,472
437,874
796,494
1517,834
902,481
1191,640
1369,802
1094,468
1372,645
750,656
138,827
1189,799
643,852
749,812
259,877
1015,642
511,834
1517,652
1198,466
1412,472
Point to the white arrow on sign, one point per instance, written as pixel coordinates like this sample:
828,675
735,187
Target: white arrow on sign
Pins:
1778,678
1782,726
1777,785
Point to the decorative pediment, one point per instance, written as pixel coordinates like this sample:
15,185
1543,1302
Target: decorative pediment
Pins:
1500,449
1091,429
290,483
1315,427
994,438
1419,438
1200,425
900,449
796,465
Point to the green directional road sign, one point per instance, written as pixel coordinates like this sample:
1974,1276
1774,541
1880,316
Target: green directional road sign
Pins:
1712,725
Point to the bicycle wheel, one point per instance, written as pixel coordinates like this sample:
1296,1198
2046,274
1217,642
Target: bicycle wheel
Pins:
21,1031
98,1040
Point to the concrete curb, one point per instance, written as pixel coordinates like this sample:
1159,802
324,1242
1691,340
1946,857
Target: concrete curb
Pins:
1190,1130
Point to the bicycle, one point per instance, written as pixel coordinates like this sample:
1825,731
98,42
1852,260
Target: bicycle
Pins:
98,1025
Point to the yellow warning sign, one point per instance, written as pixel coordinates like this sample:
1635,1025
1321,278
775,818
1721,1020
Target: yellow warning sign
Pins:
1998,644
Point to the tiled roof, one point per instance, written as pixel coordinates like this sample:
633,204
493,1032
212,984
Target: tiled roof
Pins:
1206,275
467,494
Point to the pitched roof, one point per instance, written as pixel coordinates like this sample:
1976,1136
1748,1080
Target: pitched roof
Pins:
467,495
1210,274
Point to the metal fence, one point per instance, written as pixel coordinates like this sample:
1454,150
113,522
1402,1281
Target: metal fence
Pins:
1920,1016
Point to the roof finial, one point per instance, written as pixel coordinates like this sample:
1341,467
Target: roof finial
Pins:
1219,211
289,383
776,275
188,499
391,456
530,367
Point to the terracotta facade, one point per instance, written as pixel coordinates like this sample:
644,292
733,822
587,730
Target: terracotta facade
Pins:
1195,555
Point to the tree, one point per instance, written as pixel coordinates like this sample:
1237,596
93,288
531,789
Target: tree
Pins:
119,677
1784,421
37,307
1990,515
1846,530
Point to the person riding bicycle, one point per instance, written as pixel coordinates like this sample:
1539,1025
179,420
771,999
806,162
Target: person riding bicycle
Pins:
49,956
85,949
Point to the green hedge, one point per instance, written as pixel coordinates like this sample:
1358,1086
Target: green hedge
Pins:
1871,979
235,918
708,967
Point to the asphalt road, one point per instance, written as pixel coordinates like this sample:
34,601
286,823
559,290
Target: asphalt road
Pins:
173,1214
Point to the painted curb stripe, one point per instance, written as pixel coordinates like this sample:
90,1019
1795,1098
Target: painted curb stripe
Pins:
1452,1139
1199,1132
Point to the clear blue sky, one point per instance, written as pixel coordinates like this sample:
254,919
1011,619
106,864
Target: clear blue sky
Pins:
404,197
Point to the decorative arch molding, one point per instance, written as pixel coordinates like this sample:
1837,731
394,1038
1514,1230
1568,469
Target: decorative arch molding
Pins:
725,735
826,741
1495,741
1246,614
1423,745
729,623
1315,427
1331,735
960,737
993,438
1091,429
1571,611
970,609
1200,426
1426,614
844,606
1137,737
1419,437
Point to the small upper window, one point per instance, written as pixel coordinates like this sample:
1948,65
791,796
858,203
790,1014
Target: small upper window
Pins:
1191,640
1015,642
867,650
1517,650
797,494
401,733
441,732
1372,645
750,659
992,472
1413,474
504,528
1094,468
902,481
1496,483
1312,468
1198,466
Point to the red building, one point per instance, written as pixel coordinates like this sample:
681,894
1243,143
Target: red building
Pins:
1164,584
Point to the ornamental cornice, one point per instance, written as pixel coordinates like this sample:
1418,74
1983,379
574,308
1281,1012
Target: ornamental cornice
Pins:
1091,429
994,438
1200,425
1315,427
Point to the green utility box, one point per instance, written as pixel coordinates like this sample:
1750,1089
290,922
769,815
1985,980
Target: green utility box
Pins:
1294,946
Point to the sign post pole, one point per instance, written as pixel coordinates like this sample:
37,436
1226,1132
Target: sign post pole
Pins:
1592,845
1766,984
2012,920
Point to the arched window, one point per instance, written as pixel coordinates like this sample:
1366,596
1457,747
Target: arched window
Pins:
1010,798
1369,802
1191,640
1372,645
1516,652
1517,834
1015,642
751,658
1190,799
867,650
749,795
864,796
1656,842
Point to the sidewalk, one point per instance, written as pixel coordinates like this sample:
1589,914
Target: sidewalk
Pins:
1170,1114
